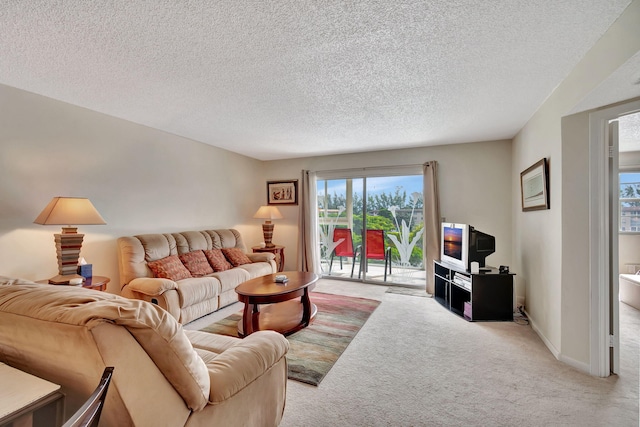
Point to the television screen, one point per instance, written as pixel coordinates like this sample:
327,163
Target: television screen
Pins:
452,242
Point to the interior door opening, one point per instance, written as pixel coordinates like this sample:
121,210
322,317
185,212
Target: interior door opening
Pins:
603,256
625,135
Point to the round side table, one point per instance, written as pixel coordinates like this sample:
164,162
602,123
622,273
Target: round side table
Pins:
98,283
277,250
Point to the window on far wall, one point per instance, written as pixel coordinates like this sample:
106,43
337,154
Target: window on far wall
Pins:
629,202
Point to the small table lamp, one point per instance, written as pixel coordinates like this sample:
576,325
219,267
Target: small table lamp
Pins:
268,213
64,211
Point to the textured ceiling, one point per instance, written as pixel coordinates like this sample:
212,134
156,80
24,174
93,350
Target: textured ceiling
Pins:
278,79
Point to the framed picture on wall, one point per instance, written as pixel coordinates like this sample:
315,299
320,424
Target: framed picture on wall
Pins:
534,185
282,192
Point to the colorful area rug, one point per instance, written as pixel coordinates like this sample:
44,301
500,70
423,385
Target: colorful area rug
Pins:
314,350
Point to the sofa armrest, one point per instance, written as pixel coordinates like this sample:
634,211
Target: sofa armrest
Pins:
152,286
261,256
240,365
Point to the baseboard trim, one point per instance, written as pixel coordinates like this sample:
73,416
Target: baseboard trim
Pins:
544,339
581,366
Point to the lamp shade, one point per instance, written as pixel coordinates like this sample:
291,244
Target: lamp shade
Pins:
69,211
268,212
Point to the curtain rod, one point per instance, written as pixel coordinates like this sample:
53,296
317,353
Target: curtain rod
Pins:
371,167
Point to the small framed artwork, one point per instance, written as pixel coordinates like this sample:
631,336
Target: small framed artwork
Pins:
282,192
534,185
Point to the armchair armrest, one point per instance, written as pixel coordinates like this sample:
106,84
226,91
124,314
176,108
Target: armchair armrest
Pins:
151,286
261,256
240,365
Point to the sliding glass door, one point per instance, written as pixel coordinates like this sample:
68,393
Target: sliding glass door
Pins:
371,226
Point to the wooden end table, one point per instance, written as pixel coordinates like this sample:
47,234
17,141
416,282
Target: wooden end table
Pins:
98,283
277,250
274,306
27,400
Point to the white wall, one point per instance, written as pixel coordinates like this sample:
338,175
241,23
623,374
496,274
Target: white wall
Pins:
141,180
553,267
475,187
575,301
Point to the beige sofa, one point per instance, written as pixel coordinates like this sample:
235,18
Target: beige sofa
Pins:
193,297
164,375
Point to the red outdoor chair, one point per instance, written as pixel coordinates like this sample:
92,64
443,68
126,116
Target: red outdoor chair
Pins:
345,248
376,250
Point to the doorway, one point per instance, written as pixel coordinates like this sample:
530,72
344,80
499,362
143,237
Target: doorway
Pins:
604,258
628,229
371,225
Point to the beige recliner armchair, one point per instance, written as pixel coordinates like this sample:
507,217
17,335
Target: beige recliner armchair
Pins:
163,374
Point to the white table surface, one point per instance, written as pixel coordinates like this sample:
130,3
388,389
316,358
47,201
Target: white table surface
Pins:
19,389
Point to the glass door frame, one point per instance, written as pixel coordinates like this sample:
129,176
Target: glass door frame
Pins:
364,174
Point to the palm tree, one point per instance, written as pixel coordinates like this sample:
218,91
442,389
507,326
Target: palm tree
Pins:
405,245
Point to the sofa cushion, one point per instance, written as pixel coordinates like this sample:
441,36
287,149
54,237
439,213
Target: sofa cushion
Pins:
208,345
169,268
230,279
197,289
257,269
217,260
236,256
226,238
222,354
196,262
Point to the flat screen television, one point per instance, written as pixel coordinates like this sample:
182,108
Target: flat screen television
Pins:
462,244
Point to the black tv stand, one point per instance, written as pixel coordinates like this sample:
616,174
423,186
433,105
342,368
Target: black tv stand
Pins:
487,295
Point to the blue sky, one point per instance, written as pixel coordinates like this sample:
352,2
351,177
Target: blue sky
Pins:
377,185
626,178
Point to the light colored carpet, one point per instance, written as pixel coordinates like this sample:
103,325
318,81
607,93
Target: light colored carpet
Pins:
416,364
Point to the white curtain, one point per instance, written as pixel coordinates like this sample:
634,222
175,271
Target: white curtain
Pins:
432,229
309,259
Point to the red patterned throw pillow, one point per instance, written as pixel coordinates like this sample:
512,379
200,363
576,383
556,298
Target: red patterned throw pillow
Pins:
236,256
169,268
196,262
217,260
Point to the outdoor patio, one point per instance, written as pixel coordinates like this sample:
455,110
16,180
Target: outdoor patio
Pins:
401,276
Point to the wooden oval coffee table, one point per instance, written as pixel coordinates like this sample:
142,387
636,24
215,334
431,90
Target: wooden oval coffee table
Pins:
273,306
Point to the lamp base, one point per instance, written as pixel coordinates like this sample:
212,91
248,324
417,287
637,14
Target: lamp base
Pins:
64,280
267,233
68,247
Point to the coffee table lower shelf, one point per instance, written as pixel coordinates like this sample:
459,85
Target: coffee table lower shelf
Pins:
284,317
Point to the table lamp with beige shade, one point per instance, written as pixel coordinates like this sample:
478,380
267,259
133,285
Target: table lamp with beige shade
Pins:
68,212
268,213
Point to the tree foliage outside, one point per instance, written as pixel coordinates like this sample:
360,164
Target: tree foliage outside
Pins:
630,191
375,202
